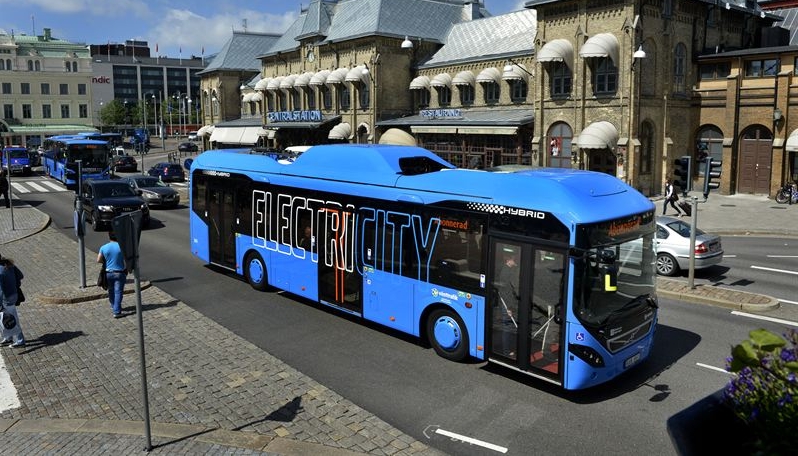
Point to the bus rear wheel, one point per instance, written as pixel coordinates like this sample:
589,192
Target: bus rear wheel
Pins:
255,272
447,334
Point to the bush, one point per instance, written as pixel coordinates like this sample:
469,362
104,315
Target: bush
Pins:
764,393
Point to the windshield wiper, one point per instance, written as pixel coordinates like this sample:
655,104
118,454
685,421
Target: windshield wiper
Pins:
631,304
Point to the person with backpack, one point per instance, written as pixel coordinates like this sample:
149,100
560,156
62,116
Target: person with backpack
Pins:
4,187
10,281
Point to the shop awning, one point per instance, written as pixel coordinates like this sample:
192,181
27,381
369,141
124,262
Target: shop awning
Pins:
262,84
598,135
487,130
433,129
274,84
341,131
490,75
441,80
268,133
398,137
204,130
288,82
257,96
601,45
464,78
319,78
303,80
338,76
251,134
515,72
246,98
356,75
49,130
792,142
227,135
420,83
559,50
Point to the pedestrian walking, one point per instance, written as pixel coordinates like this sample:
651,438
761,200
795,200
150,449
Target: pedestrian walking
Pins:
4,187
10,278
670,198
115,271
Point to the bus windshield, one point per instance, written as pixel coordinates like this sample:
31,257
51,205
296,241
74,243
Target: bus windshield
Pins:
91,155
17,153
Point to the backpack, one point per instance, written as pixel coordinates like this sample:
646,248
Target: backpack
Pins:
19,276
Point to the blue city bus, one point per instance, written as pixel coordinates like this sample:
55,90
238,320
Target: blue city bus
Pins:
18,158
113,139
61,153
546,271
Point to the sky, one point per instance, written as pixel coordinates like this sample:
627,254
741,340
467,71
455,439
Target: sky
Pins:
179,28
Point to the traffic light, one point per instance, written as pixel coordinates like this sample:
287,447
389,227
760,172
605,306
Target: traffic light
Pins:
683,173
712,170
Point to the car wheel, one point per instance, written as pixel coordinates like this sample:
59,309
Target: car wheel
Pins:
447,334
95,221
255,271
667,265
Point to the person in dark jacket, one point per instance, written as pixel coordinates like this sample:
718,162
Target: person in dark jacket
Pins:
9,323
4,187
670,198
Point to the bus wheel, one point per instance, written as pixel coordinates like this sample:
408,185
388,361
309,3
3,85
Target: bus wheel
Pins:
255,272
447,334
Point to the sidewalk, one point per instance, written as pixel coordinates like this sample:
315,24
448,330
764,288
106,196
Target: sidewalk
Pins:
210,391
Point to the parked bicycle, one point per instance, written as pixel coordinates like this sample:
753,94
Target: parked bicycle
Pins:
788,193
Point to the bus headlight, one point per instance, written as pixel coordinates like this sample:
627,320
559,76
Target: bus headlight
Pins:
587,354
105,208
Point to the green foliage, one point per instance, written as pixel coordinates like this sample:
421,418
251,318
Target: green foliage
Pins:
764,391
112,113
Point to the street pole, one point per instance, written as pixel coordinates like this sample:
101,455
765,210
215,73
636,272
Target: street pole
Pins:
693,227
78,214
10,189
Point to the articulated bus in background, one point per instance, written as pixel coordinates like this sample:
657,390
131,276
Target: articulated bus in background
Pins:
546,271
62,152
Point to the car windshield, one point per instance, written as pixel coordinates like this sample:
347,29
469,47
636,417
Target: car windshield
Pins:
115,189
149,182
682,228
92,155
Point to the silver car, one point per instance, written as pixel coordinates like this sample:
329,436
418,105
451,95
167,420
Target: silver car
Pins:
154,191
673,247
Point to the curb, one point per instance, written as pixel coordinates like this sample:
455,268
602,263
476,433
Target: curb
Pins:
716,296
45,223
72,294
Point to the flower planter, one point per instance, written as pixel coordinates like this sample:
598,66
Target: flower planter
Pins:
709,427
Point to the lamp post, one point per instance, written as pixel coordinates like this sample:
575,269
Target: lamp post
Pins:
144,108
188,100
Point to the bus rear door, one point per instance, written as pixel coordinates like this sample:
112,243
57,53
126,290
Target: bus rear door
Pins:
527,295
221,221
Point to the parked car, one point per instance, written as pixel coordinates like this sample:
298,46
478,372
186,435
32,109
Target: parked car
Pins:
154,191
102,200
192,136
168,172
187,147
124,163
673,247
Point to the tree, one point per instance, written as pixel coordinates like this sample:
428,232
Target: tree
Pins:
113,113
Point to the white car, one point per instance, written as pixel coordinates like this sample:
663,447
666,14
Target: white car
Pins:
192,136
673,247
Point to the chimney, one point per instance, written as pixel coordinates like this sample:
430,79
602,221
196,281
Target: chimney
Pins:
471,9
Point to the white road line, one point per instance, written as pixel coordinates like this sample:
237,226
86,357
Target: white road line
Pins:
788,302
761,317
784,271
729,256
19,188
8,392
707,366
37,187
463,438
54,186
781,256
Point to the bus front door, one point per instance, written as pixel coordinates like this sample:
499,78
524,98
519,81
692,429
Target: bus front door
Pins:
526,308
221,218
340,283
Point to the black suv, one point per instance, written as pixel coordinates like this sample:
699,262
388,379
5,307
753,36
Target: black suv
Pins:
103,200
168,172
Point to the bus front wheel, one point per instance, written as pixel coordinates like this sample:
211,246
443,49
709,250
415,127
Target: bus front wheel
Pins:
447,334
255,272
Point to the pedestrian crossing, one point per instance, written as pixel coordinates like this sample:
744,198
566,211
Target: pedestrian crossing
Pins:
37,186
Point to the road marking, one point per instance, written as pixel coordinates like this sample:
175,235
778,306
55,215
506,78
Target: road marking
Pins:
784,271
729,256
19,188
781,256
707,366
37,187
8,392
465,439
788,302
58,188
761,317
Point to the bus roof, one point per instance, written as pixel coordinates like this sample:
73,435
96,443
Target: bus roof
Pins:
398,172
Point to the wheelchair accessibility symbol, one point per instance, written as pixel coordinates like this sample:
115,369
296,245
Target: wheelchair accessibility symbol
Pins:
580,337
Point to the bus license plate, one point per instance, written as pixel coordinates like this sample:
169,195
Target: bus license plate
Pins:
631,361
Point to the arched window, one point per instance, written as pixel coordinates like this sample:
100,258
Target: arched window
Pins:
364,95
558,145
37,65
344,97
269,101
68,67
8,64
646,147
2,64
30,65
679,68
310,98
422,98
561,79
296,99
708,142
74,67
326,97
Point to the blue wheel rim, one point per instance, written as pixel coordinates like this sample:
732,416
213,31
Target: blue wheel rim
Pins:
447,333
255,271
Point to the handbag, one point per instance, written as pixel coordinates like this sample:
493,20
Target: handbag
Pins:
102,278
674,197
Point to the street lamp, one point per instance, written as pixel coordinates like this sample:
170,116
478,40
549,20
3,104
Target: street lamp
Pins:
155,112
145,112
188,100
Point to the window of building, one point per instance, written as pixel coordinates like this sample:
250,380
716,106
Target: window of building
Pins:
8,111
344,97
326,97
709,142
605,76
68,66
296,99
466,94
81,89
646,147
37,65
2,64
8,65
559,145
364,96
310,98
65,111
74,67
761,68
492,92
83,111
27,111
282,101
560,79
679,68
30,65
518,90
24,88
444,96
718,70
421,97
6,88
45,88
47,111
270,101
63,89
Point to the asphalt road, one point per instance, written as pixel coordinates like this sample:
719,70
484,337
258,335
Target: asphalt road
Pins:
409,386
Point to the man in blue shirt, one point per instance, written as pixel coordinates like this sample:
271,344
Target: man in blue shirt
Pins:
9,323
111,254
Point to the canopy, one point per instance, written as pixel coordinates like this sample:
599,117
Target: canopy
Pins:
356,75
340,131
246,98
419,83
262,84
601,45
441,80
398,137
274,83
303,79
598,135
516,71
559,50
319,78
792,142
288,82
491,74
338,76
257,96
464,78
